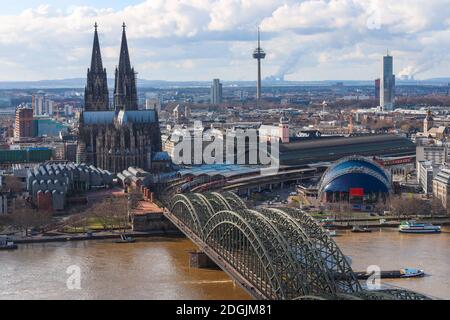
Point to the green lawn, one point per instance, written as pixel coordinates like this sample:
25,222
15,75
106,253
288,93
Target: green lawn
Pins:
94,224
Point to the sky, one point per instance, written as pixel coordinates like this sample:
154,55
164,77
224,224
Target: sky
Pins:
185,40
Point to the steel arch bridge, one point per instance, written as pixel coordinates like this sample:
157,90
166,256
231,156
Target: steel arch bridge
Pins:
280,253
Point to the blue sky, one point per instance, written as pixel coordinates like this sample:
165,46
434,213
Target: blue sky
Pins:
15,7
206,39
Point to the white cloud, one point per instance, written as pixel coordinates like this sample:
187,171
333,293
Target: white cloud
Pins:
202,39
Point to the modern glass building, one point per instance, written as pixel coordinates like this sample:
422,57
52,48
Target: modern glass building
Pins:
44,126
216,92
387,90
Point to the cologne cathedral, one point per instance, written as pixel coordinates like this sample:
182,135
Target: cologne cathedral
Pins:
116,136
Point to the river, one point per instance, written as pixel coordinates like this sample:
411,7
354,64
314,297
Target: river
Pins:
158,268
391,250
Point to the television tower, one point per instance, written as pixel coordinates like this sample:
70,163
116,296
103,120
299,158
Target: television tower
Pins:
259,54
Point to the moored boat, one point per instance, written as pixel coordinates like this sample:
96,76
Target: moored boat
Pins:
415,227
358,229
411,273
7,244
125,239
393,274
331,233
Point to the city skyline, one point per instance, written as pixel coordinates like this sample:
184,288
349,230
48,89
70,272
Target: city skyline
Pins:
192,40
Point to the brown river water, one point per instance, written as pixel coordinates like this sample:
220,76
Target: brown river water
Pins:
158,268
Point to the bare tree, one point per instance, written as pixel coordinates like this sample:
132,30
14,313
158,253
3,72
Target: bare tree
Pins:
12,184
437,209
24,217
409,206
134,197
111,212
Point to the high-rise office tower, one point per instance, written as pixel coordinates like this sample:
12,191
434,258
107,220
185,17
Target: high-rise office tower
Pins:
48,110
216,92
37,102
387,88
259,55
23,123
377,89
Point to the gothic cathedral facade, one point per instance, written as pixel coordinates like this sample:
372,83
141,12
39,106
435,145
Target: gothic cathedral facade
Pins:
115,137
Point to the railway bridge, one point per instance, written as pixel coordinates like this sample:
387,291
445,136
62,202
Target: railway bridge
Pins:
280,253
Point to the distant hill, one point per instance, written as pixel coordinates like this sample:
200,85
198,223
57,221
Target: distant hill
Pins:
439,80
81,82
142,83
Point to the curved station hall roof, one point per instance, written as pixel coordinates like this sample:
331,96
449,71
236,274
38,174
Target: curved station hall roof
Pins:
355,172
212,170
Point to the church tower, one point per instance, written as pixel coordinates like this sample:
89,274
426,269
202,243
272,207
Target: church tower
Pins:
96,91
284,129
125,92
428,122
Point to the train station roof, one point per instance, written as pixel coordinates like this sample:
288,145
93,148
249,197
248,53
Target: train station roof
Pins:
324,149
225,170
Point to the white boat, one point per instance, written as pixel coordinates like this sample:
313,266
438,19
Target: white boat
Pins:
331,233
411,273
7,244
414,227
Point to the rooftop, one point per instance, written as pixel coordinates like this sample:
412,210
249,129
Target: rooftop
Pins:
225,170
334,148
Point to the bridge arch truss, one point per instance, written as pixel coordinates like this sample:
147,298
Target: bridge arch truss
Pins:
280,253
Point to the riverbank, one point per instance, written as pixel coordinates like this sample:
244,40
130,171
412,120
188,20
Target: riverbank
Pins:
95,236
385,222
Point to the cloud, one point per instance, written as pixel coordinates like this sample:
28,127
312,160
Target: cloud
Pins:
203,39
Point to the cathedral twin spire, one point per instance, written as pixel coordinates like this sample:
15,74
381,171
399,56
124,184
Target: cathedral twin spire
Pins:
125,92
96,61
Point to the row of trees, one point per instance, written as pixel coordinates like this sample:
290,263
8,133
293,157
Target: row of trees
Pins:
11,184
398,206
415,206
111,213
24,218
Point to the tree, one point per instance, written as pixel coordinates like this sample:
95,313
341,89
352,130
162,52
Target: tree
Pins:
111,212
409,206
12,184
437,209
41,219
134,197
25,218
